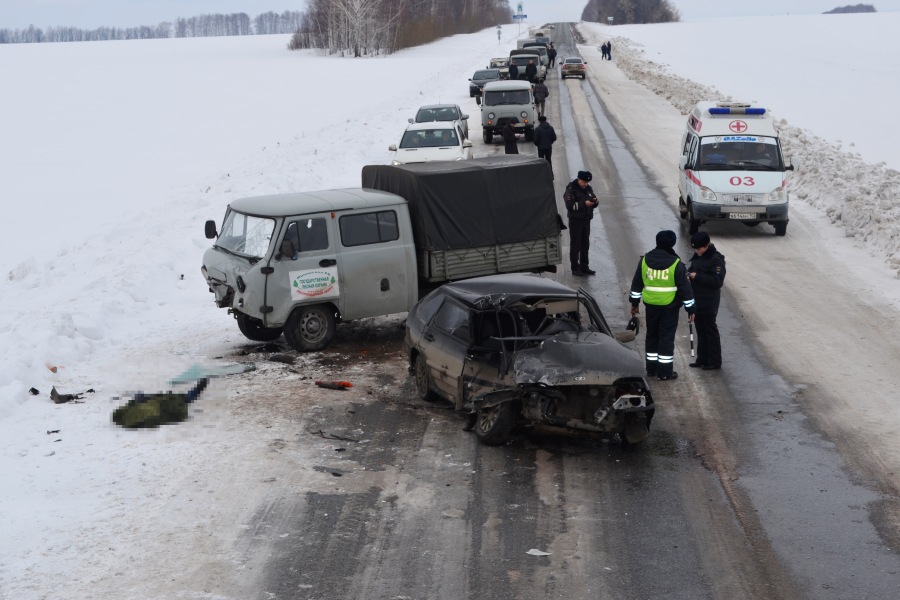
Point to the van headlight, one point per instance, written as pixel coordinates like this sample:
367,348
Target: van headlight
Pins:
778,196
524,114
706,195
396,162
491,116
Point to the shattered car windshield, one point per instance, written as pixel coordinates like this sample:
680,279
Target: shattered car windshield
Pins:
246,235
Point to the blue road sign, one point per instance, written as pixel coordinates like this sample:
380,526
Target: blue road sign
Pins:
520,16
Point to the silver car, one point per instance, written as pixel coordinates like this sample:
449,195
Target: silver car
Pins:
442,112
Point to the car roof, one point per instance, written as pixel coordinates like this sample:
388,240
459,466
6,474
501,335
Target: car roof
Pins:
507,85
432,125
433,106
280,205
513,285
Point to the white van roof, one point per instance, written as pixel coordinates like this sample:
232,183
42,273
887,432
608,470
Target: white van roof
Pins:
506,85
730,118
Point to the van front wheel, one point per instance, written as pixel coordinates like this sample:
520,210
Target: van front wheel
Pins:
253,329
488,136
780,228
310,328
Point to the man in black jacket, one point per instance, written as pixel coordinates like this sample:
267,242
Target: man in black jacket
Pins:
551,54
510,138
661,281
541,93
531,71
513,71
707,274
544,136
580,204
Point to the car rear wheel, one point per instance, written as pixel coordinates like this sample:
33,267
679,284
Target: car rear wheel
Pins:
310,328
253,329
423,381
494,424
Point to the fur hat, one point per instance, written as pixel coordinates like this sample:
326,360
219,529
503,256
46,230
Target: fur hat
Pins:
665,239
585,175
700,239
542,118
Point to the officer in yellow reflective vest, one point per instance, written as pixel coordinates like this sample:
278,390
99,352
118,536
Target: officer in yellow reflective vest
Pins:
661,281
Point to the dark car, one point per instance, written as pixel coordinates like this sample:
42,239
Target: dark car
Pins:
476,83
519,352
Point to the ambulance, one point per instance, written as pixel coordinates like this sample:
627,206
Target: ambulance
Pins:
732,168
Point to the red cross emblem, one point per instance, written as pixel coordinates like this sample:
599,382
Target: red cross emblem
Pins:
737,126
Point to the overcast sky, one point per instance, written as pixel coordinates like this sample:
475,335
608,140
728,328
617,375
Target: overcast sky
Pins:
88,14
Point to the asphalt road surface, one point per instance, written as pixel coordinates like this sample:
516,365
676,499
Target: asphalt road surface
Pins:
737,493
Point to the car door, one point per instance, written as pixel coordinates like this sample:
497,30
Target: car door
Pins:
464,121
310,274
377,263
445,343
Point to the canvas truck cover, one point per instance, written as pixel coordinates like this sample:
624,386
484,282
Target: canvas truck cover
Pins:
472,203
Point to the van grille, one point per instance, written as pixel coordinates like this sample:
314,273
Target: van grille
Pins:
743,198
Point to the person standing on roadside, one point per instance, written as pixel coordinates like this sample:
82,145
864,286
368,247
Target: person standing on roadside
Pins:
580,204
551,54
603,52
661,281
510,138
707,275
531,71
544,136
513,71
541,93
608,50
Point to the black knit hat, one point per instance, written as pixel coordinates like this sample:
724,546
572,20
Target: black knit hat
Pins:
700,239
665,239
585,175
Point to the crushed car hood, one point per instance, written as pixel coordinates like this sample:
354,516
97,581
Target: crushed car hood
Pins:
577,359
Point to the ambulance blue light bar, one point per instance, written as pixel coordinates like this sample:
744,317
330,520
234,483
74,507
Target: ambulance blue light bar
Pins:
736,110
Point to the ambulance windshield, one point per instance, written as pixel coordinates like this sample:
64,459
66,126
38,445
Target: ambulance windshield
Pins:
744,153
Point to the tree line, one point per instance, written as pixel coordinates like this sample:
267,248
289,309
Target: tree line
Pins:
630,12
369,27
199,26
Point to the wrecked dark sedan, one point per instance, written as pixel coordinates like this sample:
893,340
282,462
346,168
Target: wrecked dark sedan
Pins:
521,353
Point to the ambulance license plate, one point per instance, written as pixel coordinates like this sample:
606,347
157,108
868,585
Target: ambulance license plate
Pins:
742,216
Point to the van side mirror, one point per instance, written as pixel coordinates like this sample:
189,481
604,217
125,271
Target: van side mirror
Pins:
789,163
210,230
463,117
682,162
411,120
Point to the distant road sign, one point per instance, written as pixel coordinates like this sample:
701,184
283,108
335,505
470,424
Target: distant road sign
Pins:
520,16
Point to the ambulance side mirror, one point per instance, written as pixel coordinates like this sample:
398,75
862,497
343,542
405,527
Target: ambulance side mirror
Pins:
682,161
789,163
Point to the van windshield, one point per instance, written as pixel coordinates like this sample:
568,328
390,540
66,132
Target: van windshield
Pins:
744,153
500,98
246,235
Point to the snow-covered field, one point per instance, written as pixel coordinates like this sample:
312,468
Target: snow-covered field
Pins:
115,154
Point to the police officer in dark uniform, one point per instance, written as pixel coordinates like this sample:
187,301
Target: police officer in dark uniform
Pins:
580,204
707,274
661,281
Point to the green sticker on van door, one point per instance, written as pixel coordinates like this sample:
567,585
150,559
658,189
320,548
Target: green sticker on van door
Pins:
318,283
